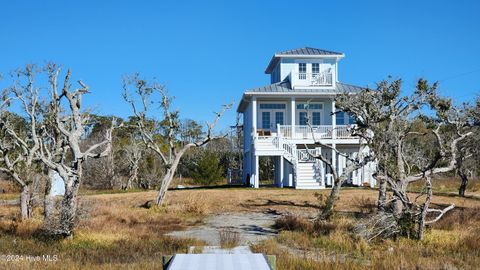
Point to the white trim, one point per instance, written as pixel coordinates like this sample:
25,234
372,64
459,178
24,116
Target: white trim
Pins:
286,94
337,56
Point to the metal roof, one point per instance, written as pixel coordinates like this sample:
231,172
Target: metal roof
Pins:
305,52
308,51
284,87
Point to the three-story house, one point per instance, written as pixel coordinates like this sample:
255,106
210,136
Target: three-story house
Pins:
304,83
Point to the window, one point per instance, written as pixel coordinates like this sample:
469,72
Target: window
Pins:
272,106
340,118
305,106
303,118
278,118
316,118
302,67
266,120
315,68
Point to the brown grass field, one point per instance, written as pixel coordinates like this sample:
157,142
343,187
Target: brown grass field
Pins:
115,232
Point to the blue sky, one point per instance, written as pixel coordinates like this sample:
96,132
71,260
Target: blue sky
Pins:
208,52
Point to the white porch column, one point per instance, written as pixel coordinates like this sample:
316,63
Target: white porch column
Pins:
281,172
293,108
342,161
334,120
254,116
256,179
334,158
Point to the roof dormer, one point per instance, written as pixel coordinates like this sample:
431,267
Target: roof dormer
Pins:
305,68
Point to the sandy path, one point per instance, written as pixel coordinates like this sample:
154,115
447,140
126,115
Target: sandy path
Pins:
251,227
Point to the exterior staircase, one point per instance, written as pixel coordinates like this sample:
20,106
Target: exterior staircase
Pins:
309,176
308,171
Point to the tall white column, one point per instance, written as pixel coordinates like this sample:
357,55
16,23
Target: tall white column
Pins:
254,116
334,158
257,176
293,108
281,172
334,135
334,120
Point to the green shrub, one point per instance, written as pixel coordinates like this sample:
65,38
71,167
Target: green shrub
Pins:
208,169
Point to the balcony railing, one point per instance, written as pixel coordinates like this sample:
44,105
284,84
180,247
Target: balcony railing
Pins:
312,79
319,132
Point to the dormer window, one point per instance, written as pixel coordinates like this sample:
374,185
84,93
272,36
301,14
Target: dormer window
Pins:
302,71
302,67
315,68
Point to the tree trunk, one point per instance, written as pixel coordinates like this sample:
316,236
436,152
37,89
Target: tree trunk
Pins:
48,201
164,186
111,169
132,178
25,203
167,179
68,209
327,211
382,194
463,185
398,196
423,213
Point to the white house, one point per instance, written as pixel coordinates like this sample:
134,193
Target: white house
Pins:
275,121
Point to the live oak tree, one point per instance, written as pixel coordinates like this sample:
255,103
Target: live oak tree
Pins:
354,162
166,144
52,139
384,120
468,158
61,150
18,151
134,152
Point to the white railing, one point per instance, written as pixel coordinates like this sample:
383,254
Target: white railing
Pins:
319,132
312,79
343,132
305,155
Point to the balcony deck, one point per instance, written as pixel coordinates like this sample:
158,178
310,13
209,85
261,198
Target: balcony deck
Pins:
309,79
315,132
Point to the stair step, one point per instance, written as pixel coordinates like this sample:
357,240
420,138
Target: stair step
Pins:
318,187
309,187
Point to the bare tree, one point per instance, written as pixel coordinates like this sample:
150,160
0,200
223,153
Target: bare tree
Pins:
166,147
18,151
354,162
134,153
468,158
384,120
61,151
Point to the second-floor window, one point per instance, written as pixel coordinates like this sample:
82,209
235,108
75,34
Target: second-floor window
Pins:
302,71
315,68
302,67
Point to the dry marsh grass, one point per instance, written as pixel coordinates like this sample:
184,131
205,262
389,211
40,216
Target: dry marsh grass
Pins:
448,185
229,238
116,233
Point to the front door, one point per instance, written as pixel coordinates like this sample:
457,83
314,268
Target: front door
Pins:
270,119
315,118
313,112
